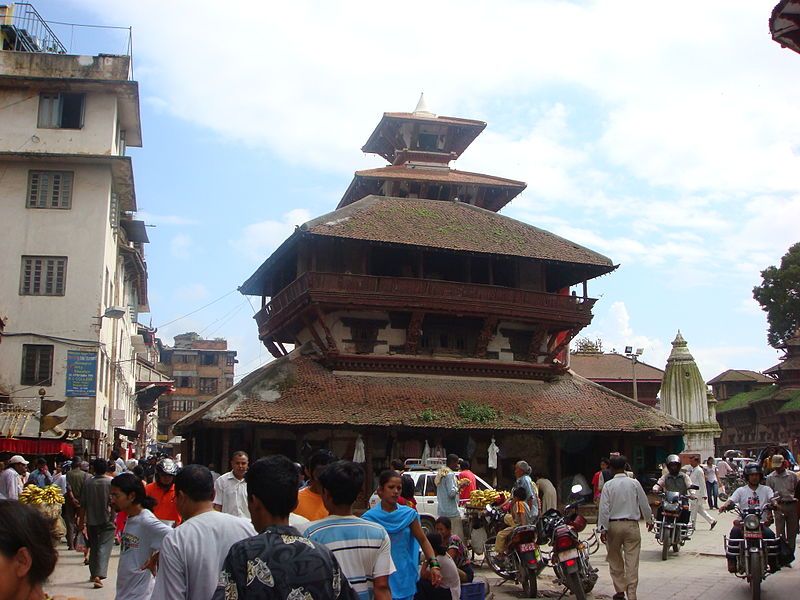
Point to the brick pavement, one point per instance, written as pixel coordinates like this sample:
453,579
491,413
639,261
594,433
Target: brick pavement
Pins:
71,578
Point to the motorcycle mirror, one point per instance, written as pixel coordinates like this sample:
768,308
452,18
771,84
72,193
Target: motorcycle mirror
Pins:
576,488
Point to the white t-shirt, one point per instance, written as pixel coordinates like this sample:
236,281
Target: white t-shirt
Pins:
192,555
141,537
745,497
361,548
231,494
450,578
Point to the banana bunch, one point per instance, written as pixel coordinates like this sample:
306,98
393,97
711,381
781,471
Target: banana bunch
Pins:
33,494
482,497
52,495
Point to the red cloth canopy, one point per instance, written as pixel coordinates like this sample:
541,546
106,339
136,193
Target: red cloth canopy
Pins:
28,446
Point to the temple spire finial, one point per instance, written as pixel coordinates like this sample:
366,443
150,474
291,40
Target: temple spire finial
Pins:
422,109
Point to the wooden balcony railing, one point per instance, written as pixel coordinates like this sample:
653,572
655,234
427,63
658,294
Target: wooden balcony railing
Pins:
402,293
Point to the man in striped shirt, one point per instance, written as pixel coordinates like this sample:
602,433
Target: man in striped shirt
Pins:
361,548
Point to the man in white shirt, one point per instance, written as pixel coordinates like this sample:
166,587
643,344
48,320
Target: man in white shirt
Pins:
11,477
698,478
230,489
119,464
192,554
622,503
752,495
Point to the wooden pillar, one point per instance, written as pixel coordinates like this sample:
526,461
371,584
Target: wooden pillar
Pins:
226,450
557,461
369,475
585,289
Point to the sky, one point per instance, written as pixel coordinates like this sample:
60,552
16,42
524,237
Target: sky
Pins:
662,136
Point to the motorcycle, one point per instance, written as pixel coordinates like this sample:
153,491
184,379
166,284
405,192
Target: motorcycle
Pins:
522,561
669,530
481,525
570,555
753,553
731,482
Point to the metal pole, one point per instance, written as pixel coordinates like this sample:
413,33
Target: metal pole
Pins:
634,360
42,393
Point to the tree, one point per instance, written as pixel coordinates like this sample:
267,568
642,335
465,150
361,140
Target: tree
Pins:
779,297
587,346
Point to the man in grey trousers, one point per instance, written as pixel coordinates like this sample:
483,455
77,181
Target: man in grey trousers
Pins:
96,514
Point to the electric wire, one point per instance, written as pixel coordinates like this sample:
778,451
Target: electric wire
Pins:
197,310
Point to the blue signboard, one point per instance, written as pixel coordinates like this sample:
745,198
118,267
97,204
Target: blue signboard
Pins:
81,373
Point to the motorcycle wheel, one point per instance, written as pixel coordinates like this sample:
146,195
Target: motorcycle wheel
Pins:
755,576
494,561
575,586
664,550
676,548
530,586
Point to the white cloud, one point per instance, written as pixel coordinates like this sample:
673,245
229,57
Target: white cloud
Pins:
258,240
180,246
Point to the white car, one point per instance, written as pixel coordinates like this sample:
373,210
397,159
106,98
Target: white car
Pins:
425,495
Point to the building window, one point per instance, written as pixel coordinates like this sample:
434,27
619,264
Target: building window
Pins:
183,359
61,111
208,359
183,381
163,410
230,360
49,189
228,382
208,385
37,364
43,275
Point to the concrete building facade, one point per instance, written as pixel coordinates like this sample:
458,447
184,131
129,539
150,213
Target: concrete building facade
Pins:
74,278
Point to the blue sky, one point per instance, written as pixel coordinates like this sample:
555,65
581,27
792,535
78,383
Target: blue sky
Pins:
661,136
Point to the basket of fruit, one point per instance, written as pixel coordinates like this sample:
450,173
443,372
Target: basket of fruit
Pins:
48,501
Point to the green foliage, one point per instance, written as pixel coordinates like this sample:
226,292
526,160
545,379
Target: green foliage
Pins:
423,212
779,297
744,399
476,413
428,415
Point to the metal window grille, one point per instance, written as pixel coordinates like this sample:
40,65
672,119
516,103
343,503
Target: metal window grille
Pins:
50,189
43,275
37,364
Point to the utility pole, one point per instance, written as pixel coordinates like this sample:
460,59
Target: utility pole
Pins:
634,356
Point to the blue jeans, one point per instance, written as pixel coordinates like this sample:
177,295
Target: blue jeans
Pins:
713,494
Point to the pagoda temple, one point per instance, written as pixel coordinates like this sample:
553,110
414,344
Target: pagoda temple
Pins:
414,314
767,415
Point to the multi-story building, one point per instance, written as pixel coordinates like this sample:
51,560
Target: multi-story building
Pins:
74,276
416,313
200,369
737,381
619,373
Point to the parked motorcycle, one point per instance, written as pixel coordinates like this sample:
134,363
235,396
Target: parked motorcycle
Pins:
669,529
481,525
753,553
570,555
731,482
522,561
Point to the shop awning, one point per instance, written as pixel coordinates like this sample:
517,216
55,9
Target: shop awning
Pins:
128,433
148,392
36,447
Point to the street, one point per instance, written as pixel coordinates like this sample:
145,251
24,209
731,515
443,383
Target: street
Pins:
697,572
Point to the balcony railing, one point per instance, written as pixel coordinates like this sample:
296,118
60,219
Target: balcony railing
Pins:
401,293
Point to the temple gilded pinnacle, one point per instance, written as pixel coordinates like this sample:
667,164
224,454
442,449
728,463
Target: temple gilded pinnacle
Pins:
684,396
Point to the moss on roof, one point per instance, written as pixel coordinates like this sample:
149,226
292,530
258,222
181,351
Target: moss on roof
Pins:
793,403
745,399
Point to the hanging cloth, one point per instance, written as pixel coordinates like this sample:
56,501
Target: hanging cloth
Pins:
426,452
358,455
493,452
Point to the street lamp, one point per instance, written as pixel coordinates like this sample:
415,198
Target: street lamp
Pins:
634,356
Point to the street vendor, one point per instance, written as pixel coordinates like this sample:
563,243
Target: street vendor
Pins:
447,493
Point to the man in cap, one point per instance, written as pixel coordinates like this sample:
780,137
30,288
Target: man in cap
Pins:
784,483
11,477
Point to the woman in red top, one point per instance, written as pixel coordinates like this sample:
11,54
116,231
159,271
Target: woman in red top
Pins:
597,480
407,492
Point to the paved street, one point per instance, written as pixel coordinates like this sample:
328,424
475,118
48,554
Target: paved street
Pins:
697,572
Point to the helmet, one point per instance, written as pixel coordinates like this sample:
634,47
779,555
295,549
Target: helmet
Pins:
751,468
167,466
673,458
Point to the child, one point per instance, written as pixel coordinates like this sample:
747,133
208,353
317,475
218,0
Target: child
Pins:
520,514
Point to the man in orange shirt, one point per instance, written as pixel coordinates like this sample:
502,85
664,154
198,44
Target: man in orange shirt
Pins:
309,499
162,491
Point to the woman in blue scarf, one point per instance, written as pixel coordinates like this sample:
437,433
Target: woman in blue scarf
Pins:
405,532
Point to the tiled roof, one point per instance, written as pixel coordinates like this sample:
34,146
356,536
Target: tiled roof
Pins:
445,176
745,399
437,119
741,375
611,366
299,390
450,226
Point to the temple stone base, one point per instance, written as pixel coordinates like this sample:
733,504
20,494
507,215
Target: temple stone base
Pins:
700,440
